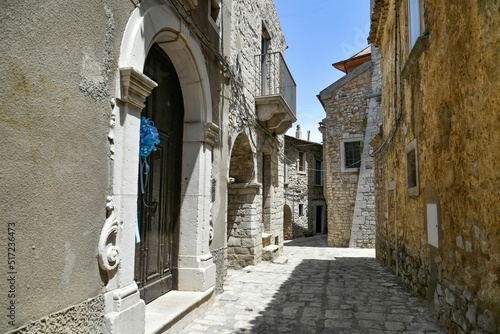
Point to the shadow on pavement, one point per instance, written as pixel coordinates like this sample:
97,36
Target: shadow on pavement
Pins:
345,295
318,240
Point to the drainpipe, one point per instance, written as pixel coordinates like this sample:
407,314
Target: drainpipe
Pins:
396,28
293,213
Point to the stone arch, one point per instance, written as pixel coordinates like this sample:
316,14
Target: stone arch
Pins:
287,222
156,23
244,237
242,164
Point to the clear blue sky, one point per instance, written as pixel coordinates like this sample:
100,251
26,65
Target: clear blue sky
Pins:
319,33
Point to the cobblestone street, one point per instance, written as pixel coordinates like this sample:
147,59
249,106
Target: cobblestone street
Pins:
319,290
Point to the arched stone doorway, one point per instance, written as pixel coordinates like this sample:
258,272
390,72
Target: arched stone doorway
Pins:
287,222
155,23
244,237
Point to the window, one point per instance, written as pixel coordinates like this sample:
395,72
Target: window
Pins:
214,187
301,162
264,60
285,172
318,172
214,12
352,154
414,26
301,209
412,168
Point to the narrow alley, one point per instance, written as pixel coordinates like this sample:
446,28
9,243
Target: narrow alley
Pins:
319,290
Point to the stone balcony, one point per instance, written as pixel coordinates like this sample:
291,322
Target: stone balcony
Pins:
275,99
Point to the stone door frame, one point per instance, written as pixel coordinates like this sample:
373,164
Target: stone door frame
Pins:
154,22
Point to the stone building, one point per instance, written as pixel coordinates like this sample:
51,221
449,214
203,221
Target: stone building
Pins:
352,107
437,155
261,110
103,240
305,209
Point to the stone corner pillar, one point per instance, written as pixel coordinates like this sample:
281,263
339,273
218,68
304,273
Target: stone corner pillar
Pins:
196,269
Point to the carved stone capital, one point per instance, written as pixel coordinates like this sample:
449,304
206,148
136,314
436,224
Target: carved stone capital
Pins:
211,133
205,132
135,87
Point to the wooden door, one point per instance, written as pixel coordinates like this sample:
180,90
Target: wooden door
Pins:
159,205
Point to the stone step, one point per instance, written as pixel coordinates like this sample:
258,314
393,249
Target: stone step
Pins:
270,253
280,260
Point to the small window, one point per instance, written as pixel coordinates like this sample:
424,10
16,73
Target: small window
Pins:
214,186
285,172
302,162
414,26
318,172
214,11
412,168
301,209
352,154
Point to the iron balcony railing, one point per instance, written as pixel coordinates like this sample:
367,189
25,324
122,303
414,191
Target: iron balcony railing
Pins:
274,78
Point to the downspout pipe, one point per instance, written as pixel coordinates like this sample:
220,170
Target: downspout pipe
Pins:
396,32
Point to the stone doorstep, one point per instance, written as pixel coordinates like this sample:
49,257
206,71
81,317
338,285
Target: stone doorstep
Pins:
271,248
270,253
176,309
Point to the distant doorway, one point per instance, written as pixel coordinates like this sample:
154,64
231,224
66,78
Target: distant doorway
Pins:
319,219
242,219
287,222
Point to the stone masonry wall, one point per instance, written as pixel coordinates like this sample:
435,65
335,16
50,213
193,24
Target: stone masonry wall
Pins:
252,210
301,188
247,18
296,189
447,102
363,225
345,104
244,231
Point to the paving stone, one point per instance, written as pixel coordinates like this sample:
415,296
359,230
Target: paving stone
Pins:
339,323
370,324
319,290
394,326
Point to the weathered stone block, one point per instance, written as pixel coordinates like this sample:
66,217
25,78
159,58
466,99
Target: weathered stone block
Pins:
486,321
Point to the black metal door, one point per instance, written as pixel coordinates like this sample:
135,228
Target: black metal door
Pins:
159,190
